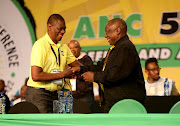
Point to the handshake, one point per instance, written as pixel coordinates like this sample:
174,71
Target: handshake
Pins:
72,72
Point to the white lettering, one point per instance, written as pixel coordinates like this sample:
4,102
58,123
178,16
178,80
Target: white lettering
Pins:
99,55
178,55
143,54
165,53
91,54
154,53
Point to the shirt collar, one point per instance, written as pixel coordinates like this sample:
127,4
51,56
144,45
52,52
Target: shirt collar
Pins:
81,56
59,43
153,82
121,39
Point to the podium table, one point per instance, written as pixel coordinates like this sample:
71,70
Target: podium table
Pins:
160,104
90,120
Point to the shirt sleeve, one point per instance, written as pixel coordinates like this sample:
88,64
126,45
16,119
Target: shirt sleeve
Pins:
70,57
93,68
38,55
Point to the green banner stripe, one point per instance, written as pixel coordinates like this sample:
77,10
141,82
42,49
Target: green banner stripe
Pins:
168,54
33,38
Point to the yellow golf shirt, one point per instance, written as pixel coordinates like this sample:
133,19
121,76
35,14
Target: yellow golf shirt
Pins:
43,56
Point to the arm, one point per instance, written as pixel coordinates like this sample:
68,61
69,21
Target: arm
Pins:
86,68
92,67
38,74
75,64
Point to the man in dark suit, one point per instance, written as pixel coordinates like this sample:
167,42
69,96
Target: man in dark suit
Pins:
120,73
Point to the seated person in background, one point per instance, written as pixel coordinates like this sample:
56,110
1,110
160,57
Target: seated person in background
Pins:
18,95
84,90
2,89
154,83
22,95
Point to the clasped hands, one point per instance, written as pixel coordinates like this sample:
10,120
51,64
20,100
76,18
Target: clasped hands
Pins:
72,72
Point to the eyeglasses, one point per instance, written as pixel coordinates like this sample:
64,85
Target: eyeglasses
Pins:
153,70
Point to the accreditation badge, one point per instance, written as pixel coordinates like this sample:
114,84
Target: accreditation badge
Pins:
73,84
58,81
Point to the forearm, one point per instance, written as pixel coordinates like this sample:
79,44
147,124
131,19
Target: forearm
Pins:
75,64
43,76
93,68
38,74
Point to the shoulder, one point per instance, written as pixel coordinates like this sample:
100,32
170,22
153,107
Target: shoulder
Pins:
86,57
171,81
41,42
164,78
148,83
63,46
161,78
125,44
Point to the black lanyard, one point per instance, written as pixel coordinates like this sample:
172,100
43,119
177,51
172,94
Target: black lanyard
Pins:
56,56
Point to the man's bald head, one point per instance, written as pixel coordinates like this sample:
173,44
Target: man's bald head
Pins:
54,18
115,29
75,47
75,42
118,22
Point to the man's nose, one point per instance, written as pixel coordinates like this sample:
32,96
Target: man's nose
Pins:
105,35
156,71
63,31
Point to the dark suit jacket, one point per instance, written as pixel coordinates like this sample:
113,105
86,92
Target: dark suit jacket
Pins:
122,77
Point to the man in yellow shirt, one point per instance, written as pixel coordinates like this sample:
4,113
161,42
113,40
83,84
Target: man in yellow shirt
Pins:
49,57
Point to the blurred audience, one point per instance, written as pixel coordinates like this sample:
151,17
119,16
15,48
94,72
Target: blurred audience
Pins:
2,89
155,83
20,95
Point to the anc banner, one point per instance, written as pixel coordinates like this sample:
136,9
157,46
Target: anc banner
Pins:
153,26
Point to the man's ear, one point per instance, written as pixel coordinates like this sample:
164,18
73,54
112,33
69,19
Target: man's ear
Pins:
49,27
147,72
118,30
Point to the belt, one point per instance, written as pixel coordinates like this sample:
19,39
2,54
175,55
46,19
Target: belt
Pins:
43,89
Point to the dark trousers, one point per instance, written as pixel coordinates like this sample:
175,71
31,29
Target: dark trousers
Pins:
41,98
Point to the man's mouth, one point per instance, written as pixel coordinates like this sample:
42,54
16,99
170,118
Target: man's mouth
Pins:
156,76
60,35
